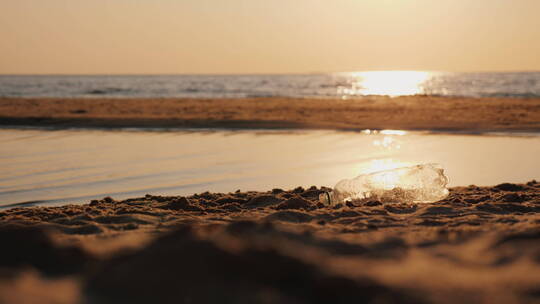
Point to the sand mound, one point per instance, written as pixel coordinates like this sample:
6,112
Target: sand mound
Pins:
481,244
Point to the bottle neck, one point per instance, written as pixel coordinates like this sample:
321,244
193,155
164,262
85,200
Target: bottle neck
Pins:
326,198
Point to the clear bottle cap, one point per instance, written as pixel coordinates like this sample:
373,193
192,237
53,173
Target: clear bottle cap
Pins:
325,198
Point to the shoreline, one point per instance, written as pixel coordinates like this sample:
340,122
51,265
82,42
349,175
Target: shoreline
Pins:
412,113
280,128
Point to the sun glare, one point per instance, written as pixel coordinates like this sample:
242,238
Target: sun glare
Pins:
377,165
389,178
391,83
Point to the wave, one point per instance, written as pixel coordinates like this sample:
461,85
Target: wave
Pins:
338,85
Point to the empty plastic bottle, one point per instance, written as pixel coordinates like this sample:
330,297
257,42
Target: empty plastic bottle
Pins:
421,183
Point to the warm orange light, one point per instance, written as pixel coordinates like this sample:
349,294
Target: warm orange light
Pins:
383,164
391,83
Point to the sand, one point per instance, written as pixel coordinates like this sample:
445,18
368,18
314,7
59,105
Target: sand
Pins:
479,245
377,112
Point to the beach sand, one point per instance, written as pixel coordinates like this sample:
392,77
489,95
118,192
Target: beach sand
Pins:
479,245
377,112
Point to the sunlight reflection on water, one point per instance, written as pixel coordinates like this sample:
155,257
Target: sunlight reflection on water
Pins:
391,83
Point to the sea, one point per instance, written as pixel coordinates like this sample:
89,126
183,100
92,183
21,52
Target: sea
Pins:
323,85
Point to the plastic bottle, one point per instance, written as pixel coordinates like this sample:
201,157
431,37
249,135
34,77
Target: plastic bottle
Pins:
424,183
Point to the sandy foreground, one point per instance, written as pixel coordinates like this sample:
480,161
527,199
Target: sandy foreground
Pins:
406,113
479,245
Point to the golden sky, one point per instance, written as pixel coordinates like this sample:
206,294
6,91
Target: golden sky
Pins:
267,36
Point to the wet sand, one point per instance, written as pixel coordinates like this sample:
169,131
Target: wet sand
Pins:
479,245
377,112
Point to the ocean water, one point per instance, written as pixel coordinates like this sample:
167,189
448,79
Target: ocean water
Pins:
44,167
335,85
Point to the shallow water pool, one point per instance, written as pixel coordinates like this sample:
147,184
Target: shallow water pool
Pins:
74,166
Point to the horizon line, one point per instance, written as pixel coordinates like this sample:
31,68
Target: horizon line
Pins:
266,74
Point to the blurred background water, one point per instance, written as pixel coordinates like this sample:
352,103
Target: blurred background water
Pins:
334,85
